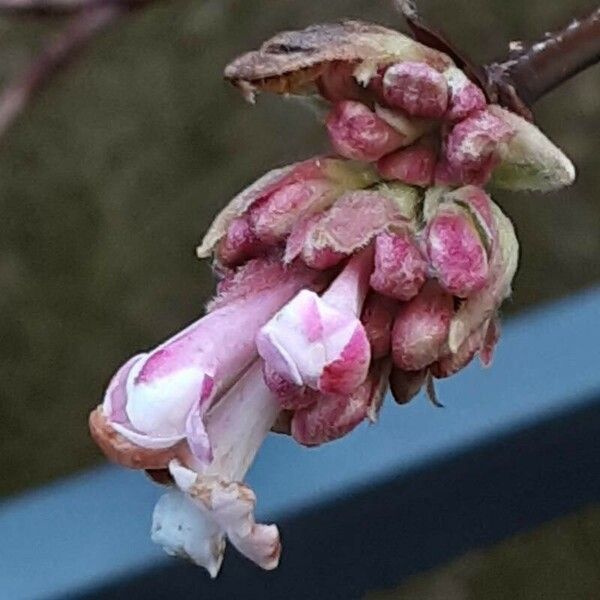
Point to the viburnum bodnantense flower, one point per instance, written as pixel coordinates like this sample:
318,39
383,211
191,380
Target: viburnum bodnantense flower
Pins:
338,277
210,503
158,399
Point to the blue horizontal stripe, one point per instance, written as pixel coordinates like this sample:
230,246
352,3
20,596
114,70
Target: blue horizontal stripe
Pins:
94,528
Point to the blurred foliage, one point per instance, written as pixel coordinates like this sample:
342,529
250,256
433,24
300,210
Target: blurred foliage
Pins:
558,561
109,180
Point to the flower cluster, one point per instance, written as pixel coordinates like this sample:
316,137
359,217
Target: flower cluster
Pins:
383,265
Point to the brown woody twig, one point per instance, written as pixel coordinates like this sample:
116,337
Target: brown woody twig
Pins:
534,71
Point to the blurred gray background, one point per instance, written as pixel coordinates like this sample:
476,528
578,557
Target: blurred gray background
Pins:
110,178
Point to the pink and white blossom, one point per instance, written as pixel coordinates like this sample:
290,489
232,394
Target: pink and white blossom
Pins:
159,398
212,503
319,341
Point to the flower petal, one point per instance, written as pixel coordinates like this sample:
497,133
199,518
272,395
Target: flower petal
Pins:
182,529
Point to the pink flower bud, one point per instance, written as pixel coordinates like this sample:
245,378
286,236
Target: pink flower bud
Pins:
335,415
421,328
400,269
357,132
473,146
465,97
273,218
417,89
405,385
319,341
457,253
212,502
351,223
480,306
239,244
274,203
159,398
414,165
481,341
377,318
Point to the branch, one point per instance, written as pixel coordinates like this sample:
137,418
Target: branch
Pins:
528,73
537,70
58,8
80,31
39,8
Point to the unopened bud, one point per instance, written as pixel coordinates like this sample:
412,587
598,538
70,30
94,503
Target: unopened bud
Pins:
421,328
377,318
358,133
414,165
457,253
465,97
476,143
417,89
239,244
400,269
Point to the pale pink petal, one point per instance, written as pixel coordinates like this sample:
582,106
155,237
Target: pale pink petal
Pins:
229,507
319,342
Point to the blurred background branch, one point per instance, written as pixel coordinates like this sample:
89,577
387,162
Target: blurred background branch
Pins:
59,8
90,18
518,82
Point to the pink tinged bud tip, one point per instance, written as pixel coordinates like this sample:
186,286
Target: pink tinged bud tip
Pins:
465,97
334,415
414,165
421,327
400,268
240,243
264,212
377,318
320,342
357,132
159,398
473,147
212,503
483,341
417,89
289,395
273,219
457,253
322,241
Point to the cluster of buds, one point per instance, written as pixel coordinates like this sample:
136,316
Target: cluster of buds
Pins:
384,265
